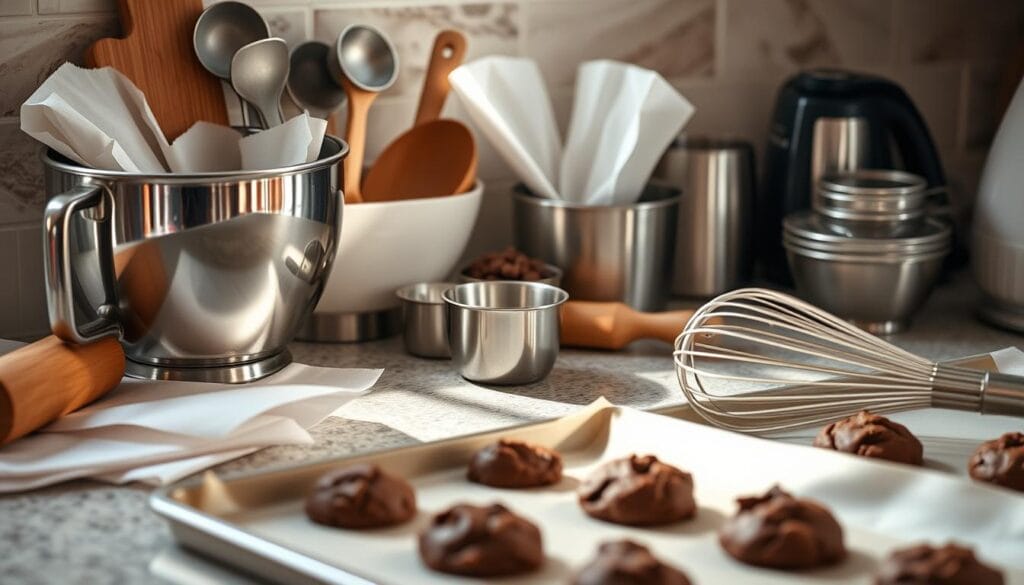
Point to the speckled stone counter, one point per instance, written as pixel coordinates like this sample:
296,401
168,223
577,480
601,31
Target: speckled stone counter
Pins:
86,532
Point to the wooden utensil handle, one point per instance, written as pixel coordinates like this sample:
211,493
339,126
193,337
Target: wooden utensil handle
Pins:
448,53
359,102
49,378
665,326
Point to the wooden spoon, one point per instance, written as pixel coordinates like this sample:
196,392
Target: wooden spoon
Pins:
157,55
616,325
435,157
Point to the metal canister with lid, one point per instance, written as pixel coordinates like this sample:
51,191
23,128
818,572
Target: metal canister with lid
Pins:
867,252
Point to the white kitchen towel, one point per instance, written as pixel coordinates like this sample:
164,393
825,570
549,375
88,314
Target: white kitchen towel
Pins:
157,432
100,119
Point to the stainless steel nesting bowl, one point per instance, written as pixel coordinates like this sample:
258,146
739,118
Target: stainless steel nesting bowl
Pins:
880,195
879,293
867,252
203,276
423,314
607,253
504,332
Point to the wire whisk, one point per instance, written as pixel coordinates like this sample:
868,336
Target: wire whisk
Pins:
760,361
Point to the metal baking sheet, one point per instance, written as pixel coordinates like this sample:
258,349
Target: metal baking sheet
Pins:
255,521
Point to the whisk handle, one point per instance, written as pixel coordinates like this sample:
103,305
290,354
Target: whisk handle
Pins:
1003,394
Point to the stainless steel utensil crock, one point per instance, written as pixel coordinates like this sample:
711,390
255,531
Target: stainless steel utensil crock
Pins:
714,237
424,319
504,332
202,276
606,253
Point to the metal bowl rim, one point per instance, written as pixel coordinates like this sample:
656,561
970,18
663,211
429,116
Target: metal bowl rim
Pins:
196,178
561,296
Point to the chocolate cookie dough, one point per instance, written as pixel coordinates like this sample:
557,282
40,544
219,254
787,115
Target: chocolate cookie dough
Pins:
638,491
1000,462
481,541
926,565
871,435
361,496
510,264
779,531
515,464
625,562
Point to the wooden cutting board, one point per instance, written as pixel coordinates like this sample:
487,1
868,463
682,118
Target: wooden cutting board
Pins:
156,54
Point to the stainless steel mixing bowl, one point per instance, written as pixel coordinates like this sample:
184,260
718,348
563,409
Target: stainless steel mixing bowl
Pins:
504,332
877,292
201,276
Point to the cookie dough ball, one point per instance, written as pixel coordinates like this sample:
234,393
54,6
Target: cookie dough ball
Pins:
638,491
871,435
1000,462
361,496
625,562
515,464
927,565
481,541
779,531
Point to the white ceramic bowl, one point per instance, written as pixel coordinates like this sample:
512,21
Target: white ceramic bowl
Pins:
385,246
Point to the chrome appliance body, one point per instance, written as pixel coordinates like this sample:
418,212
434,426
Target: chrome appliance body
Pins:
838,145
714,241
608,253
202,277
424,320
504,332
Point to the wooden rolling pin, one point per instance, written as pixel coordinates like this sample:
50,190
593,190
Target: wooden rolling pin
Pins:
49,378
615,325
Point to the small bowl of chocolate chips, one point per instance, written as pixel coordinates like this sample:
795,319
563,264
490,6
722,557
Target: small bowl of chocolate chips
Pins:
511,264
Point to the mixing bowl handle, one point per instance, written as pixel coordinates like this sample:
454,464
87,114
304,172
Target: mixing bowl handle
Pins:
61,279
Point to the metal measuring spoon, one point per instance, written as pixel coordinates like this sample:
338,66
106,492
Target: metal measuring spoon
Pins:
310,83
365,63
220,31
259,72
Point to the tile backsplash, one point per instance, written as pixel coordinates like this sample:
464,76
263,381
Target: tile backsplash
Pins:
726,56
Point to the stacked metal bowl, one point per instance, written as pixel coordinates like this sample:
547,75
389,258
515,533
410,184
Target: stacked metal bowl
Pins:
868,251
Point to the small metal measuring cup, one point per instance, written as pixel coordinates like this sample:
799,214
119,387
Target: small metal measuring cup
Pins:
504,332
423,312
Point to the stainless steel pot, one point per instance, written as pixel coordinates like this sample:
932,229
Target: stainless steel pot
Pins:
607,253
202,276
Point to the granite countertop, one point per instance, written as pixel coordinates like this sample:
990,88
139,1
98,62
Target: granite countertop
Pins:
87,532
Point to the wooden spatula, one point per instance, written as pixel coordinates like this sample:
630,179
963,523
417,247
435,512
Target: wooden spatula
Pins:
156,54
